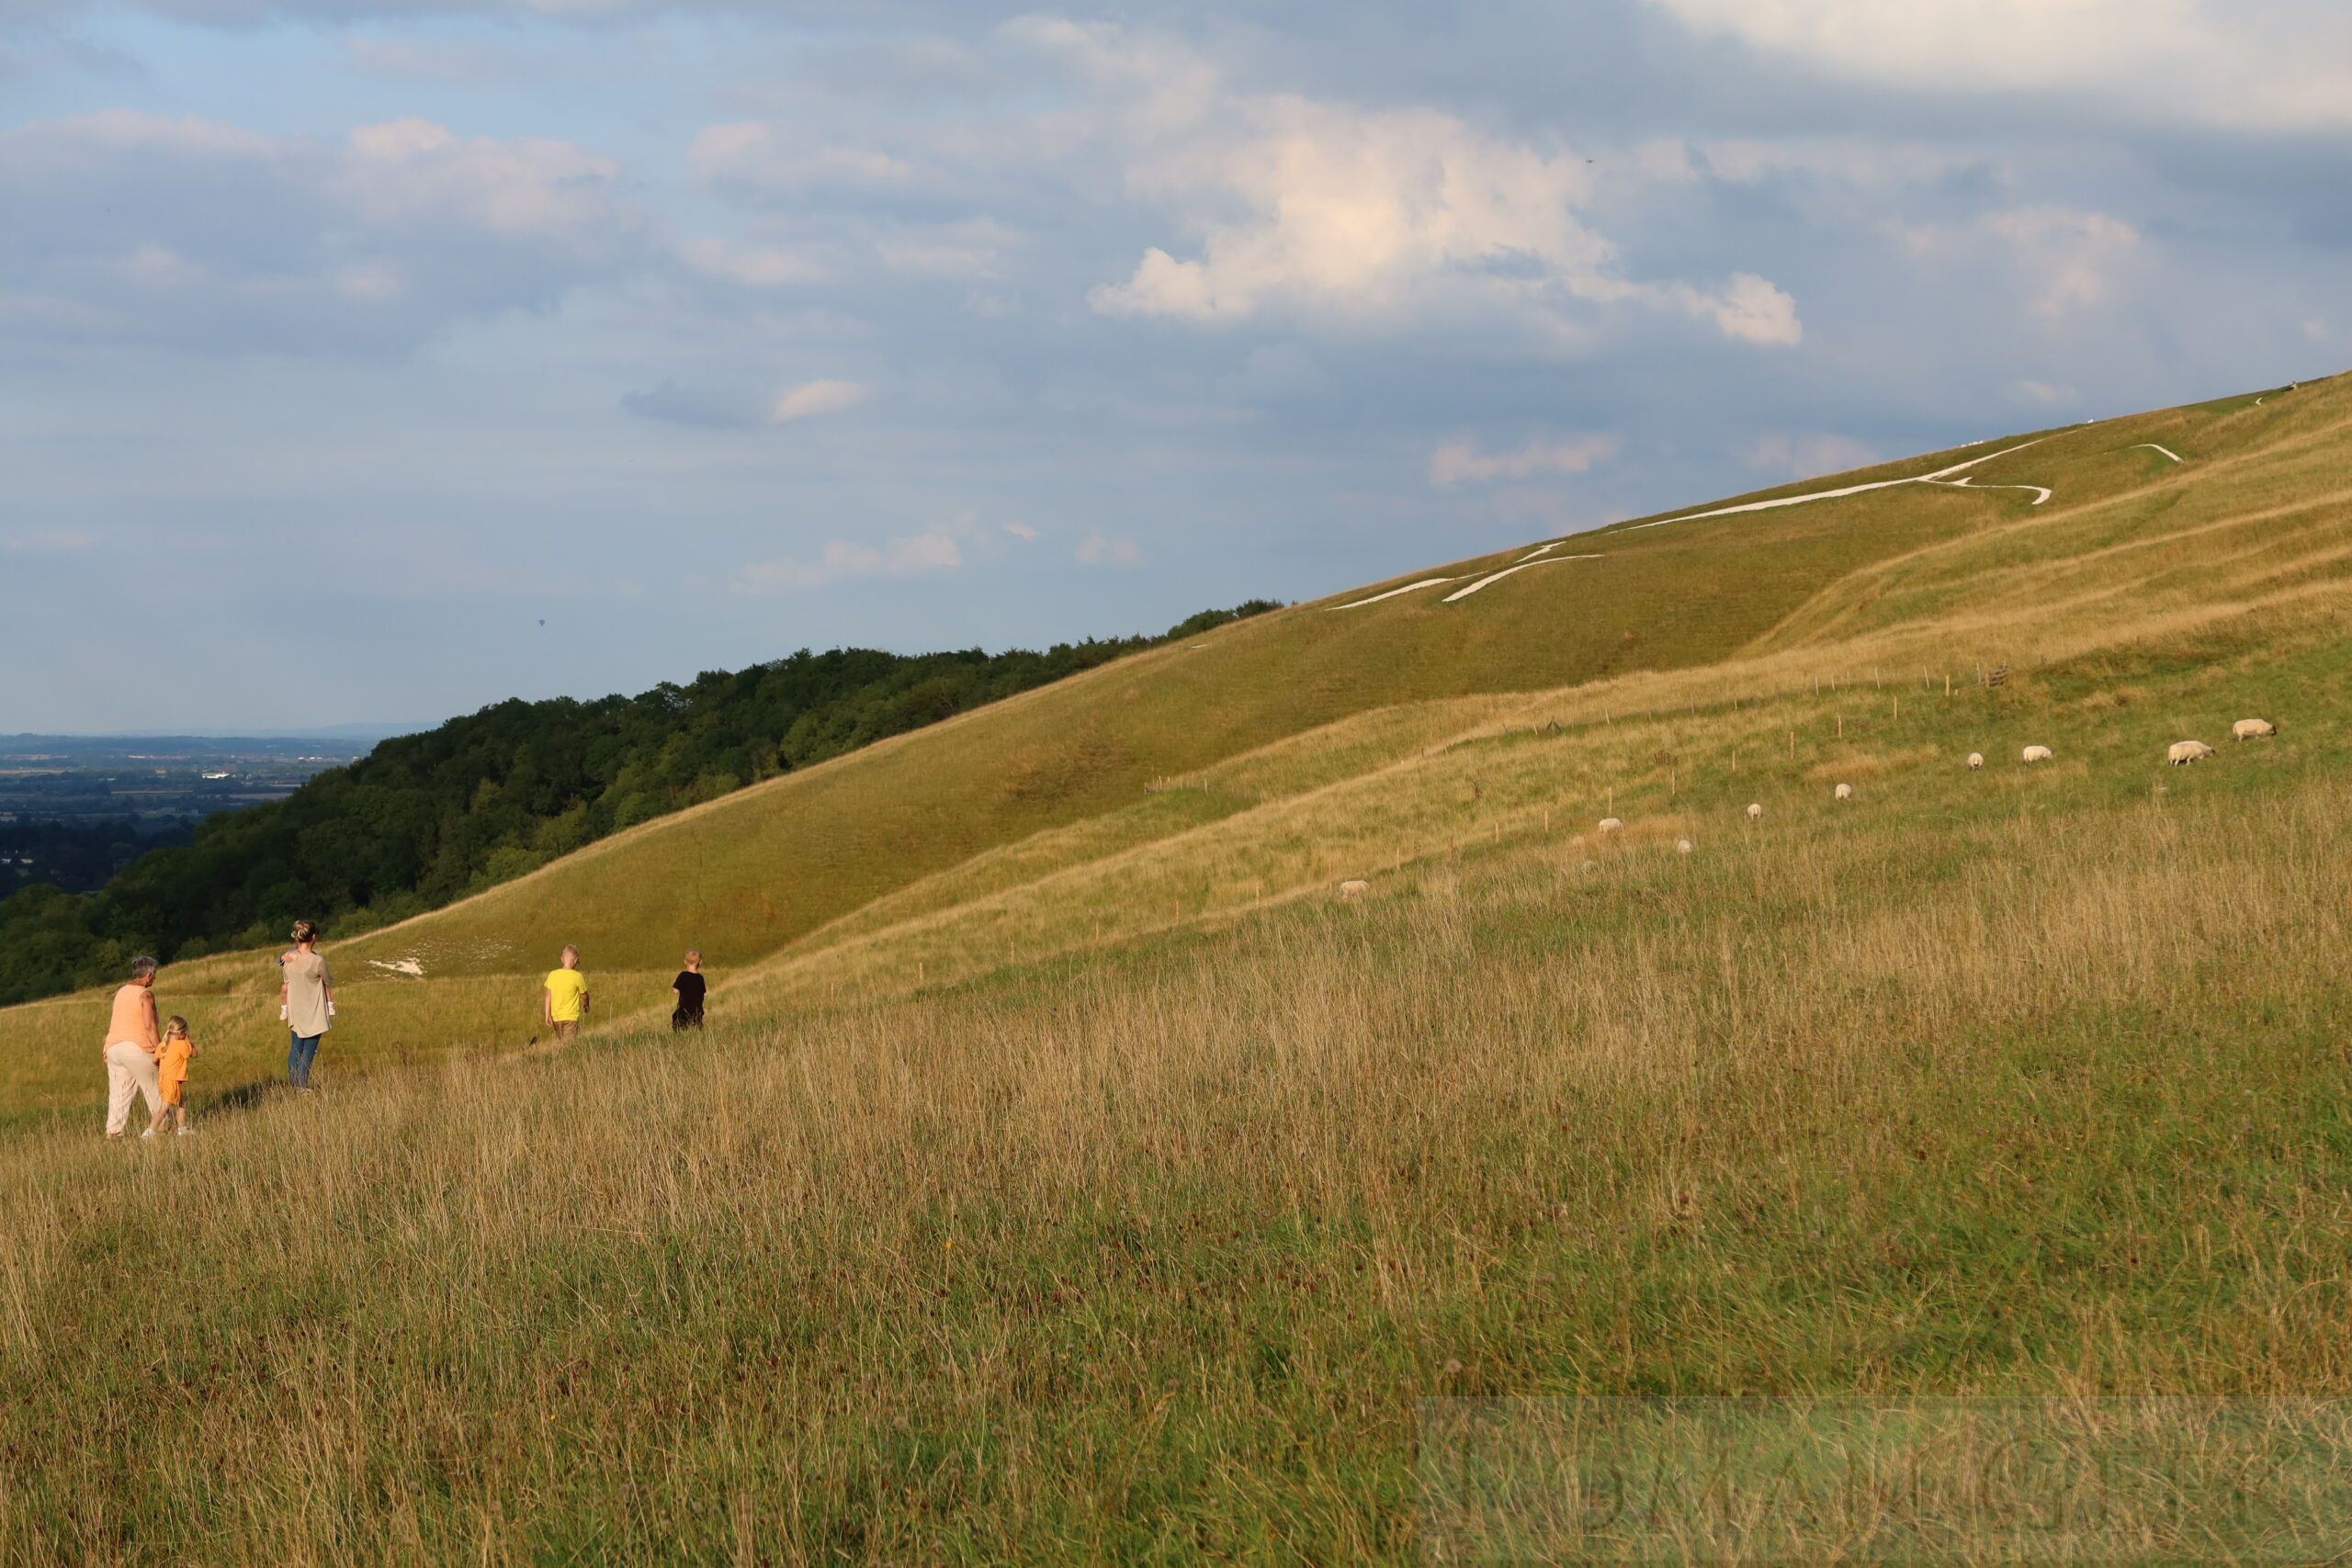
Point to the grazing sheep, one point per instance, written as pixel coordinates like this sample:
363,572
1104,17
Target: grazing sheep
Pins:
1354,888
1844,792
1977,761
2037,753
1755,812
1682,846
2183,752
1610,825
2248,728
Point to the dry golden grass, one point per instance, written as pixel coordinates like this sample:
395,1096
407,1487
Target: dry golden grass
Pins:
1151,1259
1089,1183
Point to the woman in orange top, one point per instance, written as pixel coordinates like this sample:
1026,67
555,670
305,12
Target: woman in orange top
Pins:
130,1051
171,1074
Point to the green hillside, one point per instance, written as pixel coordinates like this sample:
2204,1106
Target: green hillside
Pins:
1073,1172
424,819
1245,763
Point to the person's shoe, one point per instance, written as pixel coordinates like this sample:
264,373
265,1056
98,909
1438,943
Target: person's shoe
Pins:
184,1131
147,1134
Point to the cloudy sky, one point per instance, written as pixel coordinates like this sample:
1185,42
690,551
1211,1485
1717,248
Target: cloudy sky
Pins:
376,359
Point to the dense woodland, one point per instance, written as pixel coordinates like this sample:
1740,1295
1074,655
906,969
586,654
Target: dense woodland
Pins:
423,819
80,857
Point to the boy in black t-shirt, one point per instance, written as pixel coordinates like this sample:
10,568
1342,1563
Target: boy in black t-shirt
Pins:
688,988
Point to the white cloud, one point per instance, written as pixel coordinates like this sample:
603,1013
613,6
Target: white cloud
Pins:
841,562
2315,329
2073,254
407,170
813,399
1808,456
1459,460
2271,64
1752,309
2064,258
1367,217
1101,550
1356,212
1019,531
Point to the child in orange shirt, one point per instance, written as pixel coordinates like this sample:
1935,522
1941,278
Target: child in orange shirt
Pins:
171,1074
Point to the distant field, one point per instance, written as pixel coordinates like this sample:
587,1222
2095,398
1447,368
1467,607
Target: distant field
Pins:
1072,1174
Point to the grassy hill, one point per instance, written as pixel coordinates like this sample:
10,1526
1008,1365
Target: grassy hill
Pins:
1071,1173
1194,780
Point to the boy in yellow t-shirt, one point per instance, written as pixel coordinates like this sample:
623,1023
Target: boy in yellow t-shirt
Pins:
563,1000
171,1074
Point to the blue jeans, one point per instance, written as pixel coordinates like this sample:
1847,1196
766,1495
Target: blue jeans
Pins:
297,1059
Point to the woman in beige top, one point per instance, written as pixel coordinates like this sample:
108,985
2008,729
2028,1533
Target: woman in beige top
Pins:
306,1001
133,1040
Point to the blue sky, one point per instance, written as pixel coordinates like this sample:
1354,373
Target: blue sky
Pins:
362,359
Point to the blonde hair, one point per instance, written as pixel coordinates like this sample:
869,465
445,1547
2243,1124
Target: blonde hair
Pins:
304,931
175,1025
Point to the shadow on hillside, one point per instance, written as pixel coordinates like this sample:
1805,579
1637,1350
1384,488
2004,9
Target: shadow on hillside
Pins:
244,1096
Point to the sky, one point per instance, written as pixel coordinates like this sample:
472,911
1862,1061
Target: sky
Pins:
374,360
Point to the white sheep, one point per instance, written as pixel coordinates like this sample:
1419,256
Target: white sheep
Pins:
2180,754
1682,846
1355,887
1844,792
2248,728
2037,753
1977,761
1755,812
1610,825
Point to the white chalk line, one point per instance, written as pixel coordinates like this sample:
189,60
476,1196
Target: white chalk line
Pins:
2152,446
1498,577
2040,493
1540,556
1936,477
1408,588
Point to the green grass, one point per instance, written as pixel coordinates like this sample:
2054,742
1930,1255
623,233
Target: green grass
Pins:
1151,1261
1091,1183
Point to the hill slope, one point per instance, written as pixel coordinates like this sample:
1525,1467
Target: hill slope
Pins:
1119,1193
481,799
1270,757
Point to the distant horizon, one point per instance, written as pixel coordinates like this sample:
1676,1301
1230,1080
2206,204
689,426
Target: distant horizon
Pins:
357,731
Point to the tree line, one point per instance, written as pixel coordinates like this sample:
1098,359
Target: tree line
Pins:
424,820
79,857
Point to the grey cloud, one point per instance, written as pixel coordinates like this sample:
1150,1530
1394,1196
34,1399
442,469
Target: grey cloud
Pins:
427,59
922,206
700,408
1278,372
135,228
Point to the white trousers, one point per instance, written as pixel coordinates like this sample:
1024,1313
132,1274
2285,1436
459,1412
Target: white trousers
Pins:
130,1071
